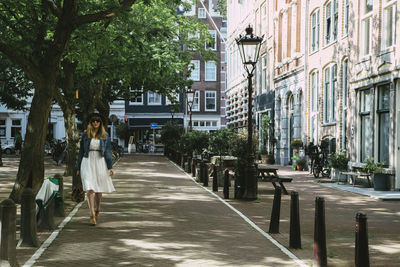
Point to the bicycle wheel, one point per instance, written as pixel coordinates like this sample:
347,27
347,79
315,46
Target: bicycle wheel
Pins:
316,171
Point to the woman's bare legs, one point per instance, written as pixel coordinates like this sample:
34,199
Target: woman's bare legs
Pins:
97,198
90,196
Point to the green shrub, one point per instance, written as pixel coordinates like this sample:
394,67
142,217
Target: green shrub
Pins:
296,143
373,167
338,161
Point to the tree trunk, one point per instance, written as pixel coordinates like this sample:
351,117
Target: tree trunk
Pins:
31,167
72,140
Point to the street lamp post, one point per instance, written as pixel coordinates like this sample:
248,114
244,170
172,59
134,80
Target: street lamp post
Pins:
249,48
190,100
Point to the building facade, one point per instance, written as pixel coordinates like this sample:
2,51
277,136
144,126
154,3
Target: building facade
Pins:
333,68
209,77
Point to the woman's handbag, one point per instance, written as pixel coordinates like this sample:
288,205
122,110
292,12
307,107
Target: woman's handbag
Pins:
77,195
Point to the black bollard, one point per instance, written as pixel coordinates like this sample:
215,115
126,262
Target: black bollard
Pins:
8,256
320,259
28,220
46,217
226,184
59,202
215,179
276,210
193,169
361,253
295,237
205,174
183,160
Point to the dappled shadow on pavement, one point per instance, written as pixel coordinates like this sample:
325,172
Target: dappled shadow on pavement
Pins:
159,217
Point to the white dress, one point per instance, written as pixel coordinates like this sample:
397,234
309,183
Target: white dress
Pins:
94,173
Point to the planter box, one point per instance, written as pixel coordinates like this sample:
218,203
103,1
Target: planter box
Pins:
381,182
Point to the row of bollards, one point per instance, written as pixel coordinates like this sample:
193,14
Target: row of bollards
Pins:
30,222
319,250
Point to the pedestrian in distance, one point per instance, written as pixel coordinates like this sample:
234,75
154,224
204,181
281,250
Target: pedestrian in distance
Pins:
18,143
94,164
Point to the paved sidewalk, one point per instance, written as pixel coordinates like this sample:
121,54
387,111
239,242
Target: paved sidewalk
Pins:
160,217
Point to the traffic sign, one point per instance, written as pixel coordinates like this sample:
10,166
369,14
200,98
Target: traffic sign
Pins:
154,125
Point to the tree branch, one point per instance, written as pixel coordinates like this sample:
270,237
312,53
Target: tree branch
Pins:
17,57
53,8
107,14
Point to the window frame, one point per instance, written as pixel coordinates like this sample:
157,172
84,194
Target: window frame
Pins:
380,112
155,94
195,71
364,112
201,13
206,97
332,15
136,103
213,33
330,88
315,30
390,4
207,71
174,95
196,101
366,19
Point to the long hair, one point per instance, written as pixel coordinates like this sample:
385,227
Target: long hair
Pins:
101,132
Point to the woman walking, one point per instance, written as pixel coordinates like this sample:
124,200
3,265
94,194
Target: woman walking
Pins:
95,164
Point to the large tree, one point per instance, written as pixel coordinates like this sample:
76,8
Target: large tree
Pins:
136,50
34,36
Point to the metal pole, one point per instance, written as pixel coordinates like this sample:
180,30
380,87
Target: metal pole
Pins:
251,179
190,118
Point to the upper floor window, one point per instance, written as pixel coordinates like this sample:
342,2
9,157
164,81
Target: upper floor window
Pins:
331,21
330,85
2,128
211,71
136,97
213,44
201,13
153,98
346,17
366,27
314,91
315,31
264,72
172,99
195,74
196,101
211,101
345,82
388,23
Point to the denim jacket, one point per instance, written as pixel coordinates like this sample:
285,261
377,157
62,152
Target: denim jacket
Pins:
105,147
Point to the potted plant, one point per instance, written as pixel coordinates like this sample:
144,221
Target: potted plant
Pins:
337,162
294,160
301,163
375,169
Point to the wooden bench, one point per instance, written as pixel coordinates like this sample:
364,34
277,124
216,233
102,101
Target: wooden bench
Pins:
269,174
357,174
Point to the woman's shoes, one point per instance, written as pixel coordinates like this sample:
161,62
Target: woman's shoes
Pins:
96,214
93,220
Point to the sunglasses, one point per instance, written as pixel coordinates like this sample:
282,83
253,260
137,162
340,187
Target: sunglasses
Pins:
95,120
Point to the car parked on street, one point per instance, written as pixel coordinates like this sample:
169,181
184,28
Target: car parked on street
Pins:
8,149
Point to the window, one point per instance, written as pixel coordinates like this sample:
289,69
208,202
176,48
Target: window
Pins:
174,97
314,91
211,71
263,19
196,101
383,123
366,27
264,73
345,82
201,13
136,97
213,44
16,127
330,85
153,98
211,101
344,97
331,21
195,73
346,17
365,125
389,22
315,31
2,128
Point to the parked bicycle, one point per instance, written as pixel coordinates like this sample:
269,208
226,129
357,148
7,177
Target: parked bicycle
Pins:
319,162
